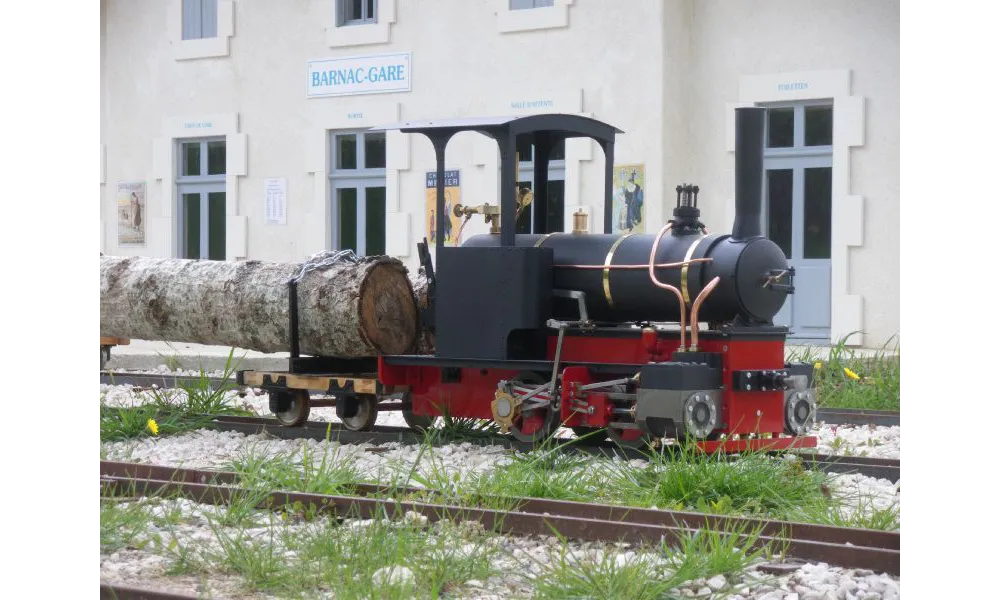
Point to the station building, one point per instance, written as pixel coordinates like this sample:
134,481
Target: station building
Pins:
240,129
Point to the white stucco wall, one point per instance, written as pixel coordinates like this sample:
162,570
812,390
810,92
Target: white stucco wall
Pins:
794,37
101,102
262,81
664,72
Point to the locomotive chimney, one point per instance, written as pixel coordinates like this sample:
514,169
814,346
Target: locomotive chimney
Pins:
749,172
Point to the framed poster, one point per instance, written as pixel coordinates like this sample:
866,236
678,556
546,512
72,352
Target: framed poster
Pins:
629,210
452,196
131,207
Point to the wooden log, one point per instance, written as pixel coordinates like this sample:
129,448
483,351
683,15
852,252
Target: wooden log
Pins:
346,310
425,337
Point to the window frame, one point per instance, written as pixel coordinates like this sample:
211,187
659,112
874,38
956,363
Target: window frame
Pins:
359,179
203,183
798,147
342,8
534,4
203,8
203,176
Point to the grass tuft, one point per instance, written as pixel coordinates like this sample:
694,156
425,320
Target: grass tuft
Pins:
647,573
122,523
877,385
174,410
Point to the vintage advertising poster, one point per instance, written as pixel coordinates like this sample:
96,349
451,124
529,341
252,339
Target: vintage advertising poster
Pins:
452,196
131,212
629,212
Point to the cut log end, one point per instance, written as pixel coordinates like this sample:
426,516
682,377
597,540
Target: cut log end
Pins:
388,310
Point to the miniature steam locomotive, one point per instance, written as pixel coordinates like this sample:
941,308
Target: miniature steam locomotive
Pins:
596,332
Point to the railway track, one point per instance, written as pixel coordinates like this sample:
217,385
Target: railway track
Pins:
381,435
851,548
832,416
118,591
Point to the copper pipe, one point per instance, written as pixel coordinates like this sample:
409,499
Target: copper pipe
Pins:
673,265
660,284
694,311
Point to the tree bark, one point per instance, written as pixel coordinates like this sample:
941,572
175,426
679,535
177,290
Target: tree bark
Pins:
346,310
425,337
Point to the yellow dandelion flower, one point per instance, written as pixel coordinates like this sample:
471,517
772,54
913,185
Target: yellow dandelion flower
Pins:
151,424
817,365
851,374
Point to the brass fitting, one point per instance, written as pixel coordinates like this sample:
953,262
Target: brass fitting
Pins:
505,408
580,222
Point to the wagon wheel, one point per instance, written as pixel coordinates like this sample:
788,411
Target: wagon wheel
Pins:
536,424
364,418
290,408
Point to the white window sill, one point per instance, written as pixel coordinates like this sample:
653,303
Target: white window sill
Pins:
362,34
531,19
205,47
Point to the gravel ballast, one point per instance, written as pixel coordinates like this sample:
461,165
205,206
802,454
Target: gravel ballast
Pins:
517,563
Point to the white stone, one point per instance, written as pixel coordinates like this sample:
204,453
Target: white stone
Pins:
717,583
393,575
847,586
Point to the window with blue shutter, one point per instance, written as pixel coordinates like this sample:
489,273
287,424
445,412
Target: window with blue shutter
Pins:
199,19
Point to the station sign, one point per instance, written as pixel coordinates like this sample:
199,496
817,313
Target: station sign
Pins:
355,75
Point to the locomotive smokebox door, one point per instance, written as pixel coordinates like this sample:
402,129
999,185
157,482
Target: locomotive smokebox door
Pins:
492,303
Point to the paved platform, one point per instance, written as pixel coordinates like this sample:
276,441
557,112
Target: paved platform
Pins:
146,355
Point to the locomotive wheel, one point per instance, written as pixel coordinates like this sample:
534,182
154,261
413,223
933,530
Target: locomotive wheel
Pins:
364,418
581,431
629,438
539,423
417,422
290,408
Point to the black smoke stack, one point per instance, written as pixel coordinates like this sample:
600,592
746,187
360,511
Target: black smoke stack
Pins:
749,171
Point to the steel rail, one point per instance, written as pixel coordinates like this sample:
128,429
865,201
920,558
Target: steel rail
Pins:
119,591
320,431
830,416
381,435
854,549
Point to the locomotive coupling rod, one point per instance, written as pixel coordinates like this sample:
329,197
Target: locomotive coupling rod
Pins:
601,384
